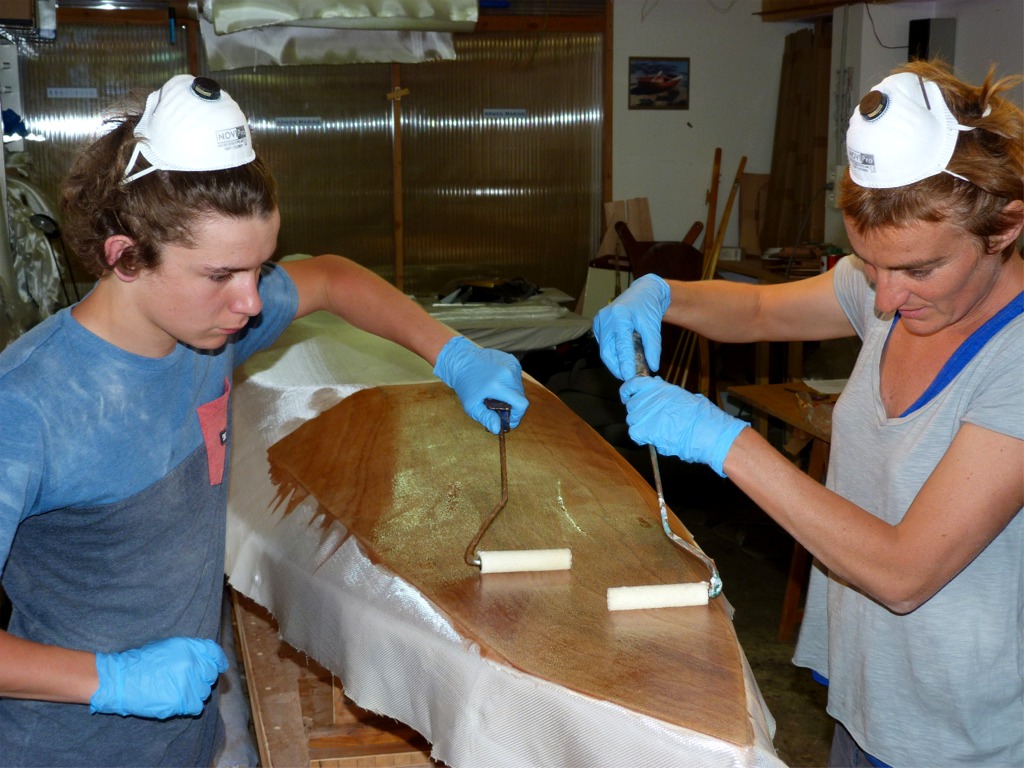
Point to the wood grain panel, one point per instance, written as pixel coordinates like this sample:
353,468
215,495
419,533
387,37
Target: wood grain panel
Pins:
301,715
412,477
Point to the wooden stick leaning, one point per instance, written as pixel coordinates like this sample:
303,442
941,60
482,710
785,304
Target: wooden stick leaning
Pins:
680,352
711,259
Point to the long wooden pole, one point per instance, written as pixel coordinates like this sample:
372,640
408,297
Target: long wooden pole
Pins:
712,200
685,341
711,261
395,96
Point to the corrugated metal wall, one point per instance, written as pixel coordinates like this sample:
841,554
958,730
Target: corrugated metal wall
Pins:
66,85
326,133
516,195
512,196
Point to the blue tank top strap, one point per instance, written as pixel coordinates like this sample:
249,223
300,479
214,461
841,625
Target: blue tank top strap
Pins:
966,351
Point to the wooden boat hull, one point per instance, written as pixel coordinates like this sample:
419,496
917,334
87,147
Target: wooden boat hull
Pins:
412,477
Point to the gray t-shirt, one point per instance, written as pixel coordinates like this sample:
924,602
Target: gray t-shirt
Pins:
944,684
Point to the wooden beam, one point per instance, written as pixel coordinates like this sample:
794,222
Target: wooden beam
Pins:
186,29
139,16
608,97
395,97
808,10
72,15
540,23
300,713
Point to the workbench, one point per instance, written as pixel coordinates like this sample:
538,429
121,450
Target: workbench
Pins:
782,402
393,651
538,322
300,713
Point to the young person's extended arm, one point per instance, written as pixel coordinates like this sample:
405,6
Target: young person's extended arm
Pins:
362,298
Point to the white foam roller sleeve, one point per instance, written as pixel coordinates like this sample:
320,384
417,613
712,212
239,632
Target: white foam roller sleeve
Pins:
657,596
509,561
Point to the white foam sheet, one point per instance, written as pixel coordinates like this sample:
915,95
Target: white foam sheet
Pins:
534,323
395,651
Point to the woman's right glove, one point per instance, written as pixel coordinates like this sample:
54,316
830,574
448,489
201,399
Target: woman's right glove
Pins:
677,422
159,680
639,308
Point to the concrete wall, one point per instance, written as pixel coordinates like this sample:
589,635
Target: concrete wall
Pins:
868,42
735,64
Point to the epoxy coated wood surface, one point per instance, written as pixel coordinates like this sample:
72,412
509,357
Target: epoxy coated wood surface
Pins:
412,477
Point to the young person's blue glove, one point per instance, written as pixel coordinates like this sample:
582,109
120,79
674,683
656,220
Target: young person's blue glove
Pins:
677,422
160,680
639,308
476,373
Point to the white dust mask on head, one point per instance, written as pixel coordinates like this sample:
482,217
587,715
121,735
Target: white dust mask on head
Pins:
900,133
190,124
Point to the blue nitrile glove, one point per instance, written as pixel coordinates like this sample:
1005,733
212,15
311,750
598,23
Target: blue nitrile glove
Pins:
160,680
476,373
678,422
639,308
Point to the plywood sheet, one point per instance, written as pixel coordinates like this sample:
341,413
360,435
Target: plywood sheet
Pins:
412,477
301,716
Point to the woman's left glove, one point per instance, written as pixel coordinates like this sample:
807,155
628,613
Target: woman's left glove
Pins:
476,373
677,422
639,309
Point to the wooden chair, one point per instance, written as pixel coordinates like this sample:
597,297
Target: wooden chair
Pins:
673,261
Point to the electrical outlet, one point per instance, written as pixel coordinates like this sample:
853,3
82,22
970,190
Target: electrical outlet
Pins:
834,175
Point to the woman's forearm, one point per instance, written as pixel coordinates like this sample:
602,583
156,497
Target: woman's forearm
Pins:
719,310
952,519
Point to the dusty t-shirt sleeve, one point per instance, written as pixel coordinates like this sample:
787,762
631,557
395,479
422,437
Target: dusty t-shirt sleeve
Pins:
21,469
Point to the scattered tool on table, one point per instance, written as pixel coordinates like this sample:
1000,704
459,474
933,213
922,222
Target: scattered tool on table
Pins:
508,561
665,595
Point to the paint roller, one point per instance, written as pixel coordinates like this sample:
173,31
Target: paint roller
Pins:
509,561
664,595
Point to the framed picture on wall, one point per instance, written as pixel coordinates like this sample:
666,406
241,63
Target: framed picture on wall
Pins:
659,83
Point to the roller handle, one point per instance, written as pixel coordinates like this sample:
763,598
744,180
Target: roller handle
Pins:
715,584
639,356
501,408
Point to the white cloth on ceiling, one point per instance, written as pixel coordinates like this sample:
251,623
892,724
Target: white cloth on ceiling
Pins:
244,33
